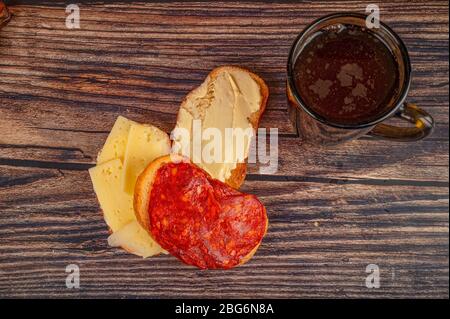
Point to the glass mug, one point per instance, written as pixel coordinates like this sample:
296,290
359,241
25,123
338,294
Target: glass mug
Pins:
317,129
4,14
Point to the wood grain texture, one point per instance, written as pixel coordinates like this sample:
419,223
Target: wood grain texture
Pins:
332,211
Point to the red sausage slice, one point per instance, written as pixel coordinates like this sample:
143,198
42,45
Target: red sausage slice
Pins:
203,221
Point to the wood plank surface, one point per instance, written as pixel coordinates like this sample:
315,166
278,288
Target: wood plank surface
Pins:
332,211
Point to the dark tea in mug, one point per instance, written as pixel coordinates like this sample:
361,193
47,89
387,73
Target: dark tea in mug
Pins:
346,74
345,80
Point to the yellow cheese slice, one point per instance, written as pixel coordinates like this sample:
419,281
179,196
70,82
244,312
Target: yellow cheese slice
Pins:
116,204
116,142
137,145
145,143
134,239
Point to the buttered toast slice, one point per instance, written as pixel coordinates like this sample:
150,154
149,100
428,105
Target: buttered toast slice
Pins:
230,97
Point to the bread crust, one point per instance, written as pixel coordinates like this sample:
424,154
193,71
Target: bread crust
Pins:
238,174
143,189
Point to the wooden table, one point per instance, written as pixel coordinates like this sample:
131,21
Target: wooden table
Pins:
332,211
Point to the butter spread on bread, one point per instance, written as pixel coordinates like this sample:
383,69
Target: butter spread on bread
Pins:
230,97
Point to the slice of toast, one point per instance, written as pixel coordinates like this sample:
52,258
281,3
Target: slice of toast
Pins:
230,96
143,190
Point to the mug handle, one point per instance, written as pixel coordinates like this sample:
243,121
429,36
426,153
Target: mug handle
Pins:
424,125
4,14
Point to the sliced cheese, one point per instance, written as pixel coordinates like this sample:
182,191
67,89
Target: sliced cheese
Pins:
134,239
136,145
116,142
145,143
116,204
